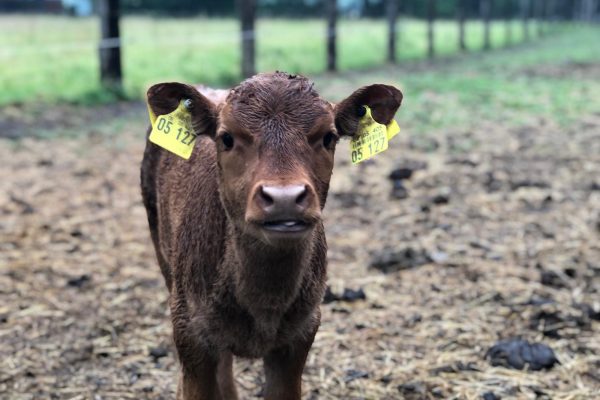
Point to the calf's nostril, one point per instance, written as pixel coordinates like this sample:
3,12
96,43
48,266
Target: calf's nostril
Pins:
265,196
302,196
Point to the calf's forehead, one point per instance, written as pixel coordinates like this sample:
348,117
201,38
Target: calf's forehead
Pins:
276,102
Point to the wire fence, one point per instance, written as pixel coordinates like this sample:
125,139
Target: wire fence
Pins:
391,38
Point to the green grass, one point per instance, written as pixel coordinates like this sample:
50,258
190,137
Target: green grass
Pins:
53,58
510,87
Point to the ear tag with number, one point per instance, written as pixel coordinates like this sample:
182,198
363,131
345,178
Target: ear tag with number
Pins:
174,131
371,138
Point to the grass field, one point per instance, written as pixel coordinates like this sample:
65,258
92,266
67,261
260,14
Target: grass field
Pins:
49,58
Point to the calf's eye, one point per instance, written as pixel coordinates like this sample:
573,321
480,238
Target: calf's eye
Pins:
329,140
227,140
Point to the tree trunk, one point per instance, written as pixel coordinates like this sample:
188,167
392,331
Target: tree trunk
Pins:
110,45
247,10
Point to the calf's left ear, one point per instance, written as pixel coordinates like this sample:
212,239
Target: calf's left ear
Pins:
383,100
164,98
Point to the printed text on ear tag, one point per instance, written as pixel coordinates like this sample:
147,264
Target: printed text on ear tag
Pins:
371,138
173,132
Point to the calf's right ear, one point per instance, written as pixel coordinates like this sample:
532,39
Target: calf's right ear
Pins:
164,98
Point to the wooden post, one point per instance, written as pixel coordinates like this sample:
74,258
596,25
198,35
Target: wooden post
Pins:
431,11
247,10
537,16
461,16
331,11
486,11
110,45
392,16
508,13
525,6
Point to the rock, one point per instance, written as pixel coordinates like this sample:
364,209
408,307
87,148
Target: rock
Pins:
490,396
352,374
399,191
79,281
329,297
413,390
594,186
492,183
440,198
589,311
349,295
395,260
553,279
402,173
158,352
520,354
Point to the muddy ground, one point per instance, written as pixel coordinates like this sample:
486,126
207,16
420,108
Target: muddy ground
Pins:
495,235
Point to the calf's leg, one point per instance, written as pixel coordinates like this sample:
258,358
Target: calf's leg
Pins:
283,370
198,381
225,377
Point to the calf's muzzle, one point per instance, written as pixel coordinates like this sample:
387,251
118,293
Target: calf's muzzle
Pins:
284,209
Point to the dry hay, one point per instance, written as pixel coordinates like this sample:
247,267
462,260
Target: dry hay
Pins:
84,305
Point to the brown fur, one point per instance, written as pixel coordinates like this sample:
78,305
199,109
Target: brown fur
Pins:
235,288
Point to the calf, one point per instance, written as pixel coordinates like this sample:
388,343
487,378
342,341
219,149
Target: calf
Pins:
237,228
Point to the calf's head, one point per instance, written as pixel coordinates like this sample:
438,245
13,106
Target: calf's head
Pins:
275,139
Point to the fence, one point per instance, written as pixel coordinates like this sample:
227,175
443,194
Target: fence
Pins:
543,11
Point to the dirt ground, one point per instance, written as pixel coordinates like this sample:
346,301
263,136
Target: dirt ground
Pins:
497,237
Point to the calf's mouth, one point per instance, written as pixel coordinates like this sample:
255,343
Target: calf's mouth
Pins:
286,225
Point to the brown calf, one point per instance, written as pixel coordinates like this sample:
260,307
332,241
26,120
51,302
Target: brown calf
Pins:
237,228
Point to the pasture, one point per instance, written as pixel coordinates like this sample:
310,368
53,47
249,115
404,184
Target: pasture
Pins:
47,58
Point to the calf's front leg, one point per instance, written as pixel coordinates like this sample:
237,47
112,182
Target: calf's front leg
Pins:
198,381
283,370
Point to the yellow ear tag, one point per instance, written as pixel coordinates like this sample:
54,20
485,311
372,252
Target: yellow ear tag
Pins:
392,129
371,138
174,131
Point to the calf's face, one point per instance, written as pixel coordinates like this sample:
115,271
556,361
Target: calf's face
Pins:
275,140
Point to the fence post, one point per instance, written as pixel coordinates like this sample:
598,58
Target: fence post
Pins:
110,45
460,14
331,11
538,16
392,16
525,5
508,13
431,11
486,11
247,10
588,10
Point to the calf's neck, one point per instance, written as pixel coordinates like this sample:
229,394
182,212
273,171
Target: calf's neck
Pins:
237,228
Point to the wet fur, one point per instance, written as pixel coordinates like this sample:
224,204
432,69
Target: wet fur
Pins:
230,292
